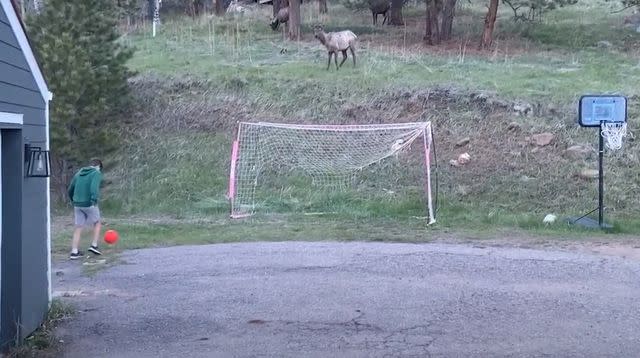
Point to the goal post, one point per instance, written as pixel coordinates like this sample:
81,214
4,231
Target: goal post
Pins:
362,160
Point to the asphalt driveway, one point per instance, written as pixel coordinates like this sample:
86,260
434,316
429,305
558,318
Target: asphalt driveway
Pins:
300,299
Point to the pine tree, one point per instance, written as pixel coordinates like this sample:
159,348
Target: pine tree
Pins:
85,67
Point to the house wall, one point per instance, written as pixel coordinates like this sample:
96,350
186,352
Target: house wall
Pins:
19,93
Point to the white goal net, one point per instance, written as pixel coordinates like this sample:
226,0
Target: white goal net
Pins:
302,168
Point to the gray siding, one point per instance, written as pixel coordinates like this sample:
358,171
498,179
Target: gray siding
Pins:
6,37
19,93
17,85
35,283
16,94
3,17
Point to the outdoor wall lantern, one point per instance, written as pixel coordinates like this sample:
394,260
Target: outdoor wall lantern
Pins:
38,161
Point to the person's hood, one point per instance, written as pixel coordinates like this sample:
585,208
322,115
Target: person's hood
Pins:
87,170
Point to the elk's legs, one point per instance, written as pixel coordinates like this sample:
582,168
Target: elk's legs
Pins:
344,57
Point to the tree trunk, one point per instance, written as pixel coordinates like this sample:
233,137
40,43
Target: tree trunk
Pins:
294,20
489,24
395,18
322,6
448,12
150,8
198,7
61,174
435,12
220,8
428,35
432,33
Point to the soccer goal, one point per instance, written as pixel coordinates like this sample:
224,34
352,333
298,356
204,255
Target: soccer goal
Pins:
316,168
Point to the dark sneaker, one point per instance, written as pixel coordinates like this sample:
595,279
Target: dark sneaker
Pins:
95,250
75,256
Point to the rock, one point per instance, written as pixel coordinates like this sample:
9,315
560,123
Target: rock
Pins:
542,139
523,108
481,96
513,126
462,142
463,190
397,145
576,152
604,44
535,150
588,174
464,158
498,103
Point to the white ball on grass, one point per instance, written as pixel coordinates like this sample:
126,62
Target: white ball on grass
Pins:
549,219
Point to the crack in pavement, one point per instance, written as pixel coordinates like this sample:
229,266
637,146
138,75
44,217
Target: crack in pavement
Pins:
403,340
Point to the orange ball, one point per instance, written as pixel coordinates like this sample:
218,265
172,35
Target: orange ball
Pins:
111,236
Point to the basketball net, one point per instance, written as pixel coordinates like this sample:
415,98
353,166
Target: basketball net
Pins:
613,132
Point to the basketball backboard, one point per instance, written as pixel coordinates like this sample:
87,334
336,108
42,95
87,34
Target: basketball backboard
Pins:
594,109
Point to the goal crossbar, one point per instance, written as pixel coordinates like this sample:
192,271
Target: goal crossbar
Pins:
342,127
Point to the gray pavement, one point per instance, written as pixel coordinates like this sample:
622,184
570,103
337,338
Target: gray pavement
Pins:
300,299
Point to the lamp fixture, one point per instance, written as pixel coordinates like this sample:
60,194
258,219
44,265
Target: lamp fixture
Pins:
38,161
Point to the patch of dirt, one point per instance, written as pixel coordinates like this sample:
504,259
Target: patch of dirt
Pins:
622,246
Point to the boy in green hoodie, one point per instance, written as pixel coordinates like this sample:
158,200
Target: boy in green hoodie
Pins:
84,192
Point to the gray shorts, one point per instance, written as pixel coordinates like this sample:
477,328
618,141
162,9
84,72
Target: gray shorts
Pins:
86,216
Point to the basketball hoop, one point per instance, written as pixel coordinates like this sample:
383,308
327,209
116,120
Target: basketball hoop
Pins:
609,115
613,132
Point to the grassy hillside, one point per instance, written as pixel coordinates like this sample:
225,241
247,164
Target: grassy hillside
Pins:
197,78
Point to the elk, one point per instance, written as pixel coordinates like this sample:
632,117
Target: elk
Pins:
281,17
337,41
379,7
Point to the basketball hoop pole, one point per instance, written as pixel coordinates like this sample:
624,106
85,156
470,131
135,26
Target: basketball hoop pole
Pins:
583,220
600,177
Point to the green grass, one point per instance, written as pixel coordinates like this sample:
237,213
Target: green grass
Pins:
563,60
469,223
43,343
198,77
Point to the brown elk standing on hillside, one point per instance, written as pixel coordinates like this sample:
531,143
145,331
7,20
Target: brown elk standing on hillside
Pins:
337,41
379,7
194,7
281,17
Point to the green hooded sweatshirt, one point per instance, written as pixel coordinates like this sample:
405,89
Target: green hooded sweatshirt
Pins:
84,190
